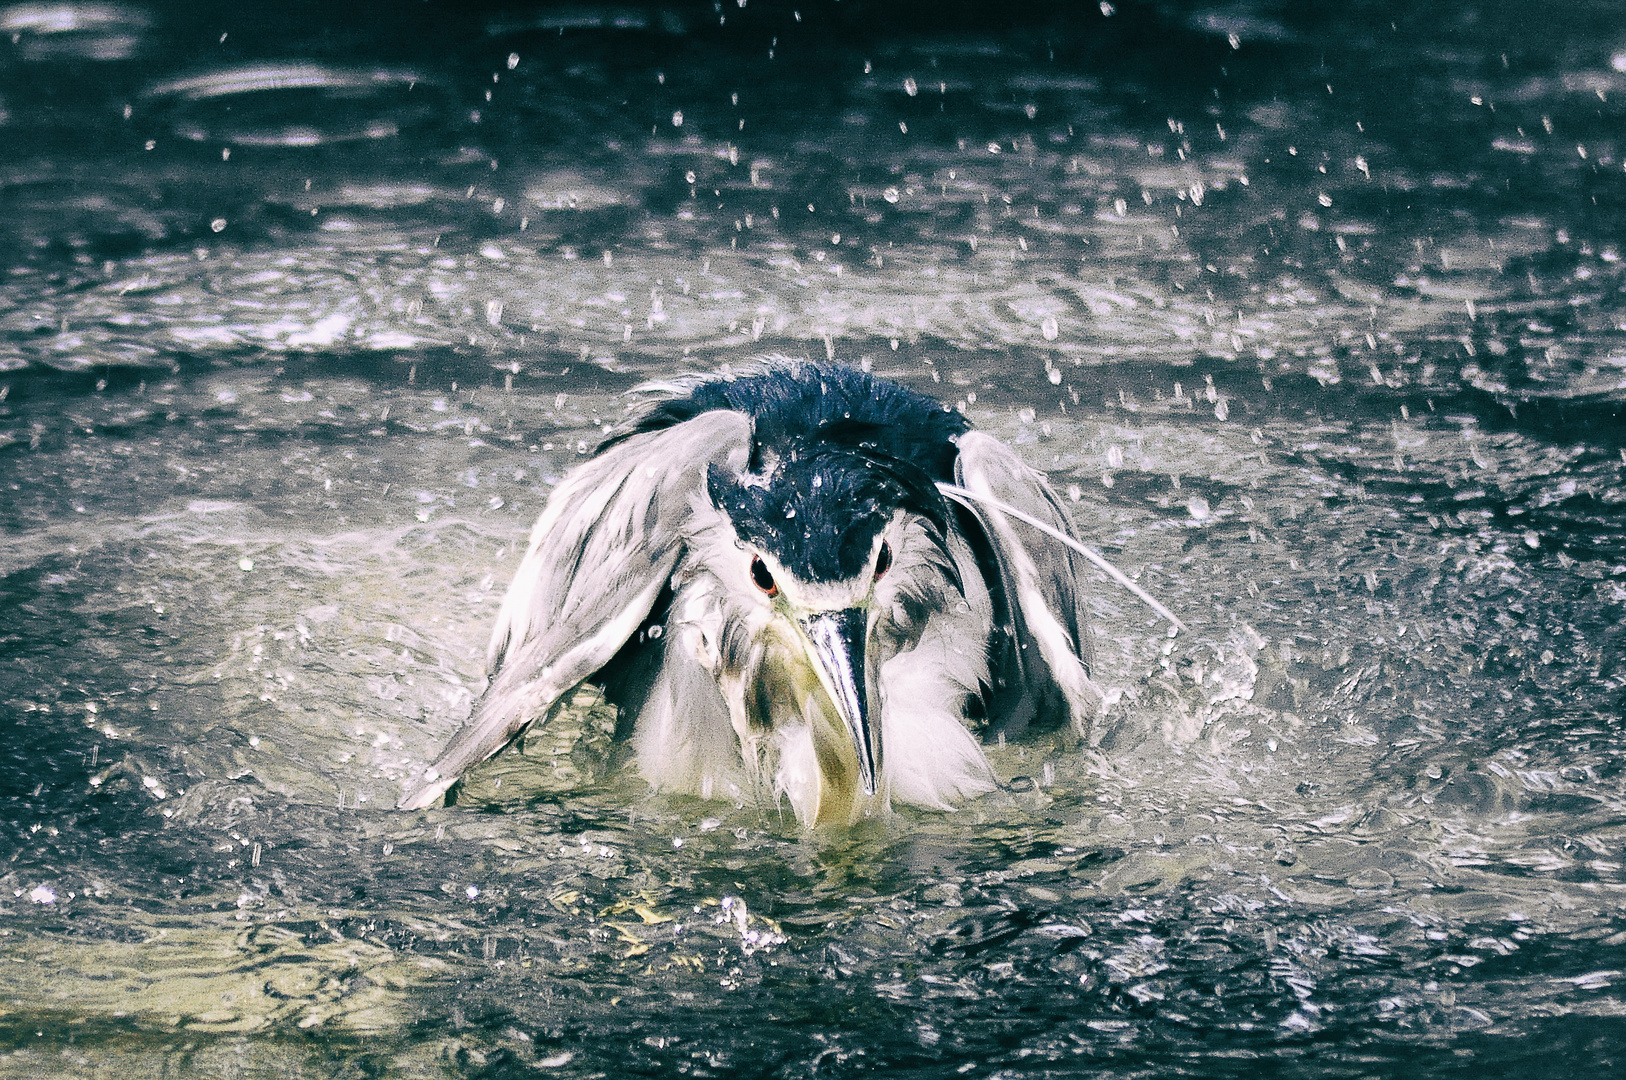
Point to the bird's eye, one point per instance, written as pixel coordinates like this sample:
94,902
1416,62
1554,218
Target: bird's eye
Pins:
762,579
883,561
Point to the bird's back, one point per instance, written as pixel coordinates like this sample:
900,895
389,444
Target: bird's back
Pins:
795,404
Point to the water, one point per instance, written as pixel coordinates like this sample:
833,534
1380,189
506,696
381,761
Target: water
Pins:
1315,315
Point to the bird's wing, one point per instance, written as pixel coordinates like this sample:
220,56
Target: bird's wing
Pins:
1038,590
607,541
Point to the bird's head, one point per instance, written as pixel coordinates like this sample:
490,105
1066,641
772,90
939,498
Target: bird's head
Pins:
820,532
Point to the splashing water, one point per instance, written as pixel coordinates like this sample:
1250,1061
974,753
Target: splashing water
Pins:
1323,343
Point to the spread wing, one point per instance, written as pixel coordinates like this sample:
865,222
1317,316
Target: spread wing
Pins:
1040,658
605,545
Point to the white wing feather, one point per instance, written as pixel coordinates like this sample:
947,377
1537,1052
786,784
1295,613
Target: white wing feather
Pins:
1042,580
605,545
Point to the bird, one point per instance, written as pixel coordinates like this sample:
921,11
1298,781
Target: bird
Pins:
796,580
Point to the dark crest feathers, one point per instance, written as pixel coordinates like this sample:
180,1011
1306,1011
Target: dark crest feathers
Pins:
834,452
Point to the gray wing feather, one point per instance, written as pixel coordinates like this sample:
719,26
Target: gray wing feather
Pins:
607,541
1041,579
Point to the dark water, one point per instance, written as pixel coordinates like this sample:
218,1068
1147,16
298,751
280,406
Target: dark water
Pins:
1315,311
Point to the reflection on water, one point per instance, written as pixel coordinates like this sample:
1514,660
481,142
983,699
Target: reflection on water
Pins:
293,105
46,33
1314,318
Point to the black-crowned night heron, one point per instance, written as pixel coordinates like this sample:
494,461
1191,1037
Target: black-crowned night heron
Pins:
800,580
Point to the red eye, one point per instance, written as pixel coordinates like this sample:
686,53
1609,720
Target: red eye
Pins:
883,561
762,579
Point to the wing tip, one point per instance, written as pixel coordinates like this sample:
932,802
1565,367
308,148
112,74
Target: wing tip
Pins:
431,788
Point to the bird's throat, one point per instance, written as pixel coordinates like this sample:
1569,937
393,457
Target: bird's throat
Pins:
806,691
839,798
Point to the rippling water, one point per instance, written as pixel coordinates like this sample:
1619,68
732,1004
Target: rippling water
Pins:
1316,316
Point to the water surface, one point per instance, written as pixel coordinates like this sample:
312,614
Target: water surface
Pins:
1315,316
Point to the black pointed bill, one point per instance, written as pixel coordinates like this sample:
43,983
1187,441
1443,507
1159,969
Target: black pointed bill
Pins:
837,640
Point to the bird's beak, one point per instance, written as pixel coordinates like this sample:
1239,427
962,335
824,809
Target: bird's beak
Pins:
837,639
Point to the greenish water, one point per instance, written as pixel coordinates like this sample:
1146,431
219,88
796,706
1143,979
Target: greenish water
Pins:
1320,329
